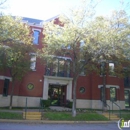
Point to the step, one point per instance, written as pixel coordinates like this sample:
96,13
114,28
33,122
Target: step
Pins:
28,118
32,115
112,116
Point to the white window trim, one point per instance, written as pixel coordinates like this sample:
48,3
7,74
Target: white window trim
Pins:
109,86
5,77
36,29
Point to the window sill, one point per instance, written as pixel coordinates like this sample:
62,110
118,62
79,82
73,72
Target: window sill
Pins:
4,96
112,76
82,75
34,70
102,75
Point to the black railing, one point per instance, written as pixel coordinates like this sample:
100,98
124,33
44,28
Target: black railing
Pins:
41,106
25,108
117,106
51,72
107,106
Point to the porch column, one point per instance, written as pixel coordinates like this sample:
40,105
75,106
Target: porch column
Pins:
69,91
45,88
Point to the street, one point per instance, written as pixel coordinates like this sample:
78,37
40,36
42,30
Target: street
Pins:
39,126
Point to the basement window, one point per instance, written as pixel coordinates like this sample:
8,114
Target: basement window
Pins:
82,90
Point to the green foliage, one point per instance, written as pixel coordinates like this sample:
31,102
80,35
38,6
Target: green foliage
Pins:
125,116
80,116
85,37
15,48
69,104
45,103
10,115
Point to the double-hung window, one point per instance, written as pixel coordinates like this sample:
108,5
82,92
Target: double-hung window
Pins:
6,86
112,69
33,61
36,36
112,93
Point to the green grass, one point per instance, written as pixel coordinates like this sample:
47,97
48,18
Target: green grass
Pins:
13,108
10,115
79,117
125,116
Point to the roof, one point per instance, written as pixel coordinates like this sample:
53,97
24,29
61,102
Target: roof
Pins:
33,21
47,20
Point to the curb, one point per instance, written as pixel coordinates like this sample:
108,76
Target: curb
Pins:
57,122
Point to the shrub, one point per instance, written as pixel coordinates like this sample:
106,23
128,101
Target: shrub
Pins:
45,103
69,103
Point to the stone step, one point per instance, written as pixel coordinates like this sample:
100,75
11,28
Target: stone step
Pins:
112,116
32,115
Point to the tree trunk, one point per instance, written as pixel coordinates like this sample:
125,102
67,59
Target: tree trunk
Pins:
74,97
11,95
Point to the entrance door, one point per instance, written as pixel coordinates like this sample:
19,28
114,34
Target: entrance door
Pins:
127,98
57,94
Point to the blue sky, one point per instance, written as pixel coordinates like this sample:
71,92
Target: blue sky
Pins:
44,9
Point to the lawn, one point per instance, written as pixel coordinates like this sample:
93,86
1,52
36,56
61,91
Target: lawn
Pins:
67,116
10,115
125,116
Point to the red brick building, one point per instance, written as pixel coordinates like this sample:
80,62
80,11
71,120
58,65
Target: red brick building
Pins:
44,82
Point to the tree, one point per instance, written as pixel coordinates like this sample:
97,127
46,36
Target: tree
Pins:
16,45
90,39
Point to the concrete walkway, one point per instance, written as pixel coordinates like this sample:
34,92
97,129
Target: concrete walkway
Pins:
57,108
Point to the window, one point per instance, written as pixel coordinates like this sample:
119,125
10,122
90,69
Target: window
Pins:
82,43
66,46
33,62
82,90
6,86
111,69
36,34
126,77
83,69
69,47
127,81
127,98
58,66
112,93
68,68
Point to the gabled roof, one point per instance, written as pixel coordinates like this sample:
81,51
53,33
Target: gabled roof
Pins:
48,20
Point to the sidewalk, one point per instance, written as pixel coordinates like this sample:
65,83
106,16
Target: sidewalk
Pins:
56,122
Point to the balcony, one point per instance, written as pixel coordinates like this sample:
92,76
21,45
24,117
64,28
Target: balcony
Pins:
58,66
57,73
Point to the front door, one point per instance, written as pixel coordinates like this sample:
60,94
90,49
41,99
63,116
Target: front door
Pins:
127,98
57,95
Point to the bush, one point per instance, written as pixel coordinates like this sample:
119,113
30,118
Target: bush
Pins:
69,103
45,103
